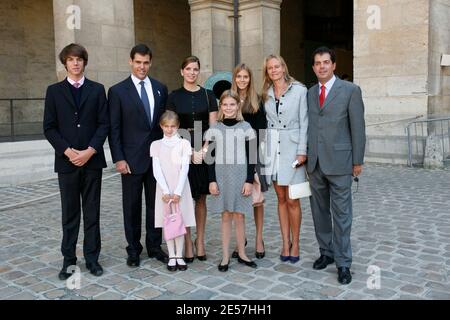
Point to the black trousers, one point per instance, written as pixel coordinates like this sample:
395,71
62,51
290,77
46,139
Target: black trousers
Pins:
85,184
132,185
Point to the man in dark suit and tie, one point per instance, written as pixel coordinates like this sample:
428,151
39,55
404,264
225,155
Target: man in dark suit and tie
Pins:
76,123
336,144
136,105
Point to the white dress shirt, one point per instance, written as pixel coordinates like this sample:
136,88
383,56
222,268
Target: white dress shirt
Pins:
328,86
72,82
148,88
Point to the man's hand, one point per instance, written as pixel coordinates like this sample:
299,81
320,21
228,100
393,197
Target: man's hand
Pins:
82,157
122,167
247,189
71,154
357,169
214,188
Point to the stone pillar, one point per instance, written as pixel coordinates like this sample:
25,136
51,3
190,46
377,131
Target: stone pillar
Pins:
106,30
259,32
212,35
391,54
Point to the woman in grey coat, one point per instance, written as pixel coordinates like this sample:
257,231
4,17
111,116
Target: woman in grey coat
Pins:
287,125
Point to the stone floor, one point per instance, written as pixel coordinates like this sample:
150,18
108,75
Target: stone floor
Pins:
401,228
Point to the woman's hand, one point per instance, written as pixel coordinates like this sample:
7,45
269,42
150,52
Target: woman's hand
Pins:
301,159
247,189
214,188
197,157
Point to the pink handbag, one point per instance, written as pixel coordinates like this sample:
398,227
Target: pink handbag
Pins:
173,221
257,195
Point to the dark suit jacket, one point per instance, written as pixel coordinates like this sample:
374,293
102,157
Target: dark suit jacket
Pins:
336,132
66,126
131,134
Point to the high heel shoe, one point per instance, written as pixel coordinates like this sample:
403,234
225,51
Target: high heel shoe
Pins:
201,258
250,263
260,255
190,259
223,267
235,254
286,258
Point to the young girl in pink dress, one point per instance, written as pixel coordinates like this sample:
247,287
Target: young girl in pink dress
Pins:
171,156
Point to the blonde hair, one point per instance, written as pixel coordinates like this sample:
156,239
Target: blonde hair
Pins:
235,96
251,103
266,79
167,116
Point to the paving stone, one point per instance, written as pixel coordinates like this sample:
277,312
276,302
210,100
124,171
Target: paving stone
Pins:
147,293
110,296
233,289
438,295
55,294
91,290
409,288
23,296
8,292
179,287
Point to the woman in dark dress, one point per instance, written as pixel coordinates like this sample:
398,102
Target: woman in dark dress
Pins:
197,109
253,112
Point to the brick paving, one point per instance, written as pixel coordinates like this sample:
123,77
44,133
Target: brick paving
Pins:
401,225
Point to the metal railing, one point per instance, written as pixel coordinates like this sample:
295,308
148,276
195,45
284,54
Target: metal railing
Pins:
418,131
19,128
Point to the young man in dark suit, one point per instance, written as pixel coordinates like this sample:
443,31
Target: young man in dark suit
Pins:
136,105
76,123
336,144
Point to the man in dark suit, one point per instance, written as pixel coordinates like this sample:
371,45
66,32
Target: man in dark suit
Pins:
76,123
136,105
336,144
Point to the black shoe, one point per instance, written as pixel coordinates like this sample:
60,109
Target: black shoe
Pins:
181,267
201,258
344,275
133,261
260,255
159,254
223,267
63,274
235,254
188,259
322,262
250,263
95,269
174,267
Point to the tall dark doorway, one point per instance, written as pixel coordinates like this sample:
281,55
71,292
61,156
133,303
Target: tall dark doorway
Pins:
306,25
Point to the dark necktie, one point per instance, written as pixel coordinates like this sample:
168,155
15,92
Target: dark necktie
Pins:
322,96
146,102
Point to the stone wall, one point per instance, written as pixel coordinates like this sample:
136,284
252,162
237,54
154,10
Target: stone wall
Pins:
165,27
391,66
26,62
439,77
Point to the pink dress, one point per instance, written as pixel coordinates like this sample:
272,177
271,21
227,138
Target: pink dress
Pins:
170,156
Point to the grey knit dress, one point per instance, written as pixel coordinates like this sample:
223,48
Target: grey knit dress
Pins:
230,167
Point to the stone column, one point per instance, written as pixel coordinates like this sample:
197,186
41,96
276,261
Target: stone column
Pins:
259,31
106,29
212,35
391,54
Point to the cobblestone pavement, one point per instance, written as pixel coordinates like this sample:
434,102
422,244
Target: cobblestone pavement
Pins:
401,225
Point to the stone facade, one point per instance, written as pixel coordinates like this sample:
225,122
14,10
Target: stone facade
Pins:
395,57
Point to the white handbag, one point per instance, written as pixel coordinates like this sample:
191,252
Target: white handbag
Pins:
301,190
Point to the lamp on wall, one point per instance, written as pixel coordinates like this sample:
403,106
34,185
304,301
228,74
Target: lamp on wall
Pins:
445,60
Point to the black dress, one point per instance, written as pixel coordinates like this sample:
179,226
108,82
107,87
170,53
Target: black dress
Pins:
194,106
258,121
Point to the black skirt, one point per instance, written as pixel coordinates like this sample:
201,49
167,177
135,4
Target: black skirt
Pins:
198,180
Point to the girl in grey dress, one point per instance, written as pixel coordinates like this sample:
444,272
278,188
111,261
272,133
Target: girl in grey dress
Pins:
231,173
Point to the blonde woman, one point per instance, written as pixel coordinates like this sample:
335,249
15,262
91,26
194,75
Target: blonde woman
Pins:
253,112
287,124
